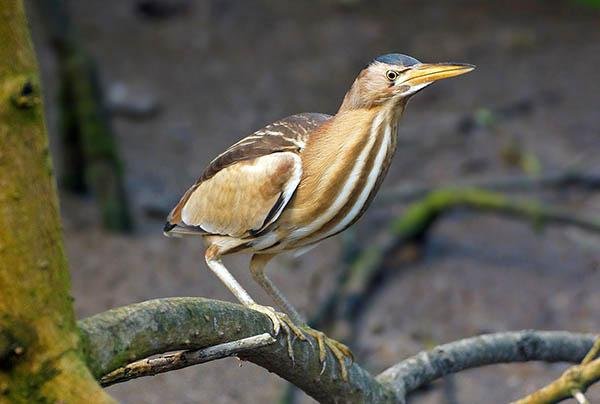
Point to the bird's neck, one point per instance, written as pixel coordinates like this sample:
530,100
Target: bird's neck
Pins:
368,122
351,136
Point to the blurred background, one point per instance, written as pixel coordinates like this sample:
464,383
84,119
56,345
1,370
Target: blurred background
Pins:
142,94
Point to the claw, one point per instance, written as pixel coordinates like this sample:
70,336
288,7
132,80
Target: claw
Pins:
339,350
281,321
272,314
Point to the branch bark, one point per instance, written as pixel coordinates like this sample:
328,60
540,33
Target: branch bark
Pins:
182,359
521,346
572,383
118,337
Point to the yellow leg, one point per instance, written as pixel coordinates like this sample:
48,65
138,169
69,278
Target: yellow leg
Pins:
258,264
213,260
280,320
339,350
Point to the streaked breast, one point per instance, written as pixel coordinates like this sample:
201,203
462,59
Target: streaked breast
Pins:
356,184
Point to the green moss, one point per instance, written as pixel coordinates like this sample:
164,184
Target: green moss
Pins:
422,214
30,390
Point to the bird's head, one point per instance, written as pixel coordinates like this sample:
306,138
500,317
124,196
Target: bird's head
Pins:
393,78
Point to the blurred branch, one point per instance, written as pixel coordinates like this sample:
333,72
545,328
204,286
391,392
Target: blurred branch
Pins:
178,360
90,153
115,338
357,281
436,203
506,347
525,183
572,383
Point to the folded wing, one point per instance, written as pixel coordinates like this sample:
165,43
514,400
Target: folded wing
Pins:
246,188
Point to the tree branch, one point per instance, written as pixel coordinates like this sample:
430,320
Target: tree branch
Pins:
559,180
182,359
444,200
572,383
506,347
120,336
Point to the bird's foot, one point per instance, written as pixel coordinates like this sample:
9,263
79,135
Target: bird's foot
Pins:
339,350
281,321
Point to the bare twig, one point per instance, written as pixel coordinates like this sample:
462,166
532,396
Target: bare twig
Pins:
580,397
178,360
572,383
593,353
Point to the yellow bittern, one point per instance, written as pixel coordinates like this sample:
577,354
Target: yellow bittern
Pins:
301,180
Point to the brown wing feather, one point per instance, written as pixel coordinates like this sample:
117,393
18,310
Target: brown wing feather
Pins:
288,134
238,200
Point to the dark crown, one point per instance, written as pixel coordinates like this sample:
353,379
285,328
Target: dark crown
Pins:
397,59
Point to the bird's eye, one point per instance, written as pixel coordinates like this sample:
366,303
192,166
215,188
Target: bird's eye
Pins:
391,75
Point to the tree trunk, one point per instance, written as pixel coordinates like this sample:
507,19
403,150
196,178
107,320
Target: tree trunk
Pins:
40,359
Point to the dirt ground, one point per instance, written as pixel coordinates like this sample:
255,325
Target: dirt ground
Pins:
220,69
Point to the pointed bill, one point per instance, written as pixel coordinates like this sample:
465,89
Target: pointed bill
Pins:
426,73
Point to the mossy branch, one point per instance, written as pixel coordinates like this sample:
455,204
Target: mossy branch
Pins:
419,216
121,336
115,338
569,178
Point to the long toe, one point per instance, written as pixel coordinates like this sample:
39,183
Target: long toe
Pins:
281,321
338,349
272,314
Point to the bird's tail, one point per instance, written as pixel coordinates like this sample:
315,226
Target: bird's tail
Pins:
178,230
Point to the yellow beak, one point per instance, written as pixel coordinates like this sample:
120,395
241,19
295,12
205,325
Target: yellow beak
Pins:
426,73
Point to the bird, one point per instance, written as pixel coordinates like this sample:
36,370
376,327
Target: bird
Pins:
301,180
